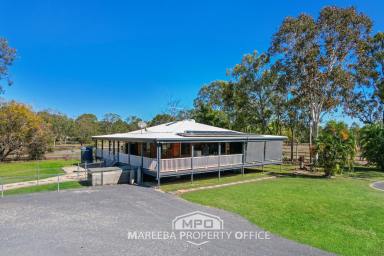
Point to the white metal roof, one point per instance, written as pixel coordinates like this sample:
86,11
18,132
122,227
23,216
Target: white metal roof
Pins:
174,131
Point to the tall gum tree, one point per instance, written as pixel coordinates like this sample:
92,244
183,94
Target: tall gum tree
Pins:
7,56
321,58
255,83
368,102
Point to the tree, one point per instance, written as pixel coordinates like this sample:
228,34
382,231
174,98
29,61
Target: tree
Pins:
368,101
372,144
378,56
355,130
322,57
112,123
214,105
336,148
21,130
7,56
133,123
255,89
205,114
176,111
86,126
62,127
295,121
161,119
40,141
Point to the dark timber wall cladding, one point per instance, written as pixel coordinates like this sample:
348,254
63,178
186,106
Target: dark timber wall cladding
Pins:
255,152
273,150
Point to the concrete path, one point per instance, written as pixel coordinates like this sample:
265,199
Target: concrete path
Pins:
71,174
182,191
379,185
96,221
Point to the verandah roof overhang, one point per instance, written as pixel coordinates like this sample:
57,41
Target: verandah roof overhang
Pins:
186,131
191,139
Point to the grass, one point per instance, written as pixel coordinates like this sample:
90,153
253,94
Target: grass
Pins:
368,173
341,215
212,178
27,170
44,188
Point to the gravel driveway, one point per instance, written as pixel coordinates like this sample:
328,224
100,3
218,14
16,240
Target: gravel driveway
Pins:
96,221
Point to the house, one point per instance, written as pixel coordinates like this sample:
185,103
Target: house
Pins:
187,147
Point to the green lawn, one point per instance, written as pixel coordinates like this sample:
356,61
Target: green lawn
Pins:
341,215
367,173
212,179
27,170
43,188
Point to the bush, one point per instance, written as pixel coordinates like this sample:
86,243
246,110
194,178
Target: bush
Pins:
372,144
335,147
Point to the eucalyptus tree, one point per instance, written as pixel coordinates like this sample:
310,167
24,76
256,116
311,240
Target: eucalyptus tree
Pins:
214,104
378,56
7,56
86,126
133,122
255,88
322,58
295,121
161,119
113,123
368,102
62,127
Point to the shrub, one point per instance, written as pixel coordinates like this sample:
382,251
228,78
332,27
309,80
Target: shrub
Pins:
335,147
372,144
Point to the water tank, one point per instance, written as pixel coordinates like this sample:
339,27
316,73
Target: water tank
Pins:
87,154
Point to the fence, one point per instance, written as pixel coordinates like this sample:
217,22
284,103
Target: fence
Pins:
32,179
302,149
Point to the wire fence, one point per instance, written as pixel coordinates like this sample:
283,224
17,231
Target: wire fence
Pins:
38,178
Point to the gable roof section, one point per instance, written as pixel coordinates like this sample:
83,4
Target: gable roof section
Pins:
186,130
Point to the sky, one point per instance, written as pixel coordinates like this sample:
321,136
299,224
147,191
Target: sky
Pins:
133,57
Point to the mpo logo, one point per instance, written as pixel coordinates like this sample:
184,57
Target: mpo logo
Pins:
197,221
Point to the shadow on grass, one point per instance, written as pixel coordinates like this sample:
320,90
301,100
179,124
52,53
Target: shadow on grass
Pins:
299,175
84,183
365,172
199,177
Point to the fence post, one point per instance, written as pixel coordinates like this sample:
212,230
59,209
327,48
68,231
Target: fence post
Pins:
58,183
218,161
2,189
192,154
38,174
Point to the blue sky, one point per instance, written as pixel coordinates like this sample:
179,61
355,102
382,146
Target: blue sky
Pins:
131,57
